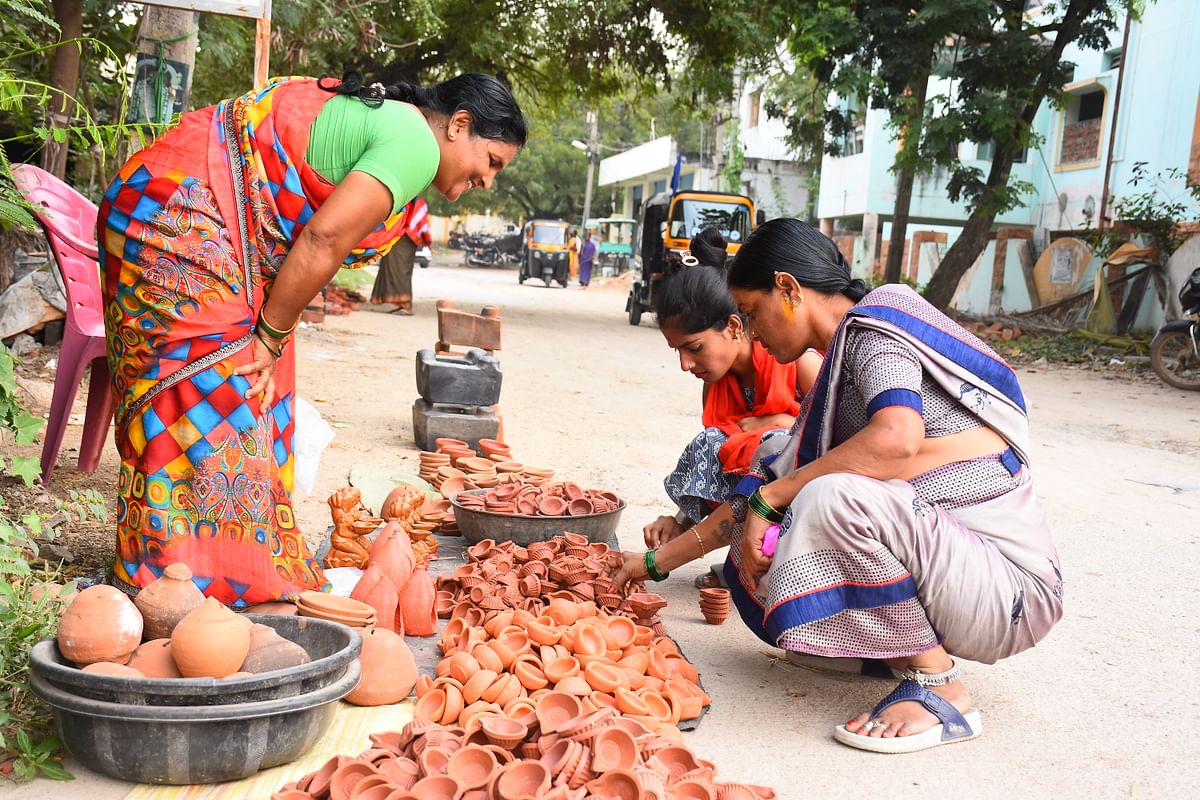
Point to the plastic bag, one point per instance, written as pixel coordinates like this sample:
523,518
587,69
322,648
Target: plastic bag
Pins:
313,435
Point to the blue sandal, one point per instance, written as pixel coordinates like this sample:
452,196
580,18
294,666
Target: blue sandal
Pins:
953,726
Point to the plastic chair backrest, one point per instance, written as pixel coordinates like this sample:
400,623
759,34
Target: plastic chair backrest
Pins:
69,219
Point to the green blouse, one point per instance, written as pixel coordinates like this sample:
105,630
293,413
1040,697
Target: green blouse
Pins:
392,143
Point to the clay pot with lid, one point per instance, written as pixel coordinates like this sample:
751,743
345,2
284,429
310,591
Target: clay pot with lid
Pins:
210,642
269,651
100,624
389,671
167,600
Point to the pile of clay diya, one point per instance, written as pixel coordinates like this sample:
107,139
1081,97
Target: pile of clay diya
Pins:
345,610
557,499
541,753
714,605
456,467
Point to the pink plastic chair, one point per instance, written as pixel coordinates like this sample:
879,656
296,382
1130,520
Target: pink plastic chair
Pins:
69,220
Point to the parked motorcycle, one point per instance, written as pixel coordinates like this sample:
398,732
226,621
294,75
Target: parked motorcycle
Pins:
423,256
1175,351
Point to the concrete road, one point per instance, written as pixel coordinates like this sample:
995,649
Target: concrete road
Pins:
1106,707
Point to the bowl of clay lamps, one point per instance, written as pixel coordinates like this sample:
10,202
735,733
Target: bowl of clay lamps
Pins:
524,514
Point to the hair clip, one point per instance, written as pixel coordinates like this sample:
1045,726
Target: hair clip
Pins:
377,89
689,260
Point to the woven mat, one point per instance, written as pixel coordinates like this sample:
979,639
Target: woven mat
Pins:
348,735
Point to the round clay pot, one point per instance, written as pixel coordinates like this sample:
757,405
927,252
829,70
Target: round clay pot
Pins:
113,670
101,624
471,766
389,672
154,660
269,651
167,600
523,779
210,642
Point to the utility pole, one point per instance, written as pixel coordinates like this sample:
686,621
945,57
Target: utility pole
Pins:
593,147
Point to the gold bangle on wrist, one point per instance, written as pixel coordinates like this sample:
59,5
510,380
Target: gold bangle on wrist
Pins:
699,541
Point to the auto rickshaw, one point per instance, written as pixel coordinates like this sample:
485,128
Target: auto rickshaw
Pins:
544,252
615,251
669,221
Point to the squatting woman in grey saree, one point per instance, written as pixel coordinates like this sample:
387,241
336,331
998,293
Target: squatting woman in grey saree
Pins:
899,522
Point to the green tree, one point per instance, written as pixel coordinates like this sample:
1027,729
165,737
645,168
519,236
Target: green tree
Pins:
1005,65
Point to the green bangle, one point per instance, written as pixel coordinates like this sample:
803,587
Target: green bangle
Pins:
277,353
762,509
652,568
271,330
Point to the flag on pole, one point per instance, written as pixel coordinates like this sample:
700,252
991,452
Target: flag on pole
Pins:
675,174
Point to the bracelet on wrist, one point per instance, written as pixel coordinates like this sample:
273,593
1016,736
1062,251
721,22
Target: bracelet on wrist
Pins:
699,541
277,353
762,509
270,330
652,568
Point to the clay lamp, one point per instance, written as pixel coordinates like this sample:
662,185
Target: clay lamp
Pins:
619,632
435,787
403,772
471,766
347,775
503,732
433,760
552,506
556,708
615,784
605,678
580,507
523,779
692,790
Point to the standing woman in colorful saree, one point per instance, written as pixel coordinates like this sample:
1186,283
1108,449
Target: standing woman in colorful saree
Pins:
900,522
213,240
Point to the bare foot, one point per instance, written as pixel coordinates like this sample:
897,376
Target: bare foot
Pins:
910,717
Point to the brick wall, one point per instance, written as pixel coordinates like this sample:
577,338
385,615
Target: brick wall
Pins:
1080,142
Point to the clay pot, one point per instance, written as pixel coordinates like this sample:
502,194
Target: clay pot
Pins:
503,732
101,624
471,766
523,779
167,600
279,609
376,589
269,651
210,642
392,551
554,709
389,672
613,748
113,670
580,506
417,604
154,660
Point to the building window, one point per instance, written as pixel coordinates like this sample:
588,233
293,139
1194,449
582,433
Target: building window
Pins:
659,186
985,150
1113,59
755,104
1082,123
636,196
686,181
850,143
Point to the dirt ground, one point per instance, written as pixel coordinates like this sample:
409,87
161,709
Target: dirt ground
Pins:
1097,710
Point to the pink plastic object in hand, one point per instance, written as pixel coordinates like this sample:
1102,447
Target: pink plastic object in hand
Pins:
770,541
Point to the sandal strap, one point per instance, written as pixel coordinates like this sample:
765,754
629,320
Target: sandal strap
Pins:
954,725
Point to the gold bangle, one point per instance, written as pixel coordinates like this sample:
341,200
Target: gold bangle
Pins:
699,541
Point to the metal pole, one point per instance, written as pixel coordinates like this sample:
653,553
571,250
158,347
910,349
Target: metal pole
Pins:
1112,134
593,145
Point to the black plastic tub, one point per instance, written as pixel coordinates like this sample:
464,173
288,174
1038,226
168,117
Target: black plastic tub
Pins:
331,646
191,744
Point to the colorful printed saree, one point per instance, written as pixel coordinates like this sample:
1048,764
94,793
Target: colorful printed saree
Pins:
193,231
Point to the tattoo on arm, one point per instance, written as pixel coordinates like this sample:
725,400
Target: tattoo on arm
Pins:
724,532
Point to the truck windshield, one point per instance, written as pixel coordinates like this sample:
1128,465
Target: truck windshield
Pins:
549,234
689,217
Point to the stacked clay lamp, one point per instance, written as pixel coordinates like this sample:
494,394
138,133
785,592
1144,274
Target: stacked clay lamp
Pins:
714,605
527,757
548,499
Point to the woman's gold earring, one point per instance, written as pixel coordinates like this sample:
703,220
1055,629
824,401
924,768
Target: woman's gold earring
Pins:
791,302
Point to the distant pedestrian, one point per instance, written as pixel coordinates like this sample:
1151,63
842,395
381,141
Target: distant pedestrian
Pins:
586,256
573,247
393,284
